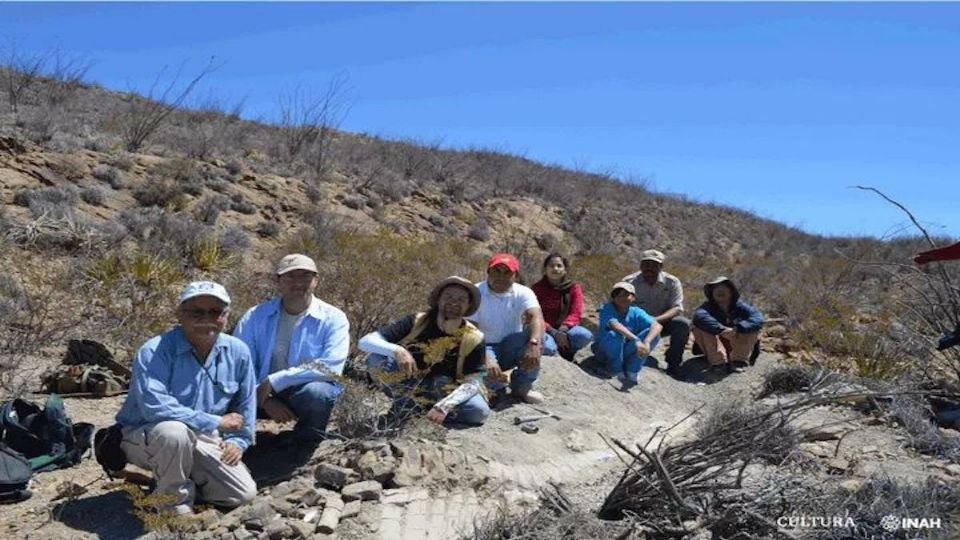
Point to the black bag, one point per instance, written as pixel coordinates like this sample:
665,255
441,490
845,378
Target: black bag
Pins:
15,473
46,437
106,448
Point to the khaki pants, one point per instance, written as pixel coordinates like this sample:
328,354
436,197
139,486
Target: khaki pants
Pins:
718,349
184,462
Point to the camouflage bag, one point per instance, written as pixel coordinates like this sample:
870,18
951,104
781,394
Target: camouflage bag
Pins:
97,381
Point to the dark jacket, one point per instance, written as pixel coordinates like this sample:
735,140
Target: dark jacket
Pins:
743,317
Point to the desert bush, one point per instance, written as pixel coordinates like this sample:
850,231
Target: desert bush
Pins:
141,116
268,229
67,233
93,195
53,195
358,410
121,160
108,174
164,194
69,166
555,518
916,420
479,230
234,240
208,209
181,172
241,205
234,166
208,254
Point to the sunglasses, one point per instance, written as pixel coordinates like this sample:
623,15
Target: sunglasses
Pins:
205,313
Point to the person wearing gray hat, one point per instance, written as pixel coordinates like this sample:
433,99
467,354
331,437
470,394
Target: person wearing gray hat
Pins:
190,412
661,295
626,335
300,346
420,357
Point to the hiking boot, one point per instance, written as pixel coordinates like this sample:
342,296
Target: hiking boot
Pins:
674,371
530,396
629,380
738,366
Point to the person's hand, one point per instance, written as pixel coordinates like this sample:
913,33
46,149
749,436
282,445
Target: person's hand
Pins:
493,371
405,362
729,333
563,341
263,391
437,416
278,411
531,357
231,422
231,453
642,349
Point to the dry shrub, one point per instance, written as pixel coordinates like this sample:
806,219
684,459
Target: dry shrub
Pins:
556,518
916,420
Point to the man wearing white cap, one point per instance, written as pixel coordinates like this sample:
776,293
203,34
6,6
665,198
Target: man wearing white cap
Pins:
298,343
661,295
190,412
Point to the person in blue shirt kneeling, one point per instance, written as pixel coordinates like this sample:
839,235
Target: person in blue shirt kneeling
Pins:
190,412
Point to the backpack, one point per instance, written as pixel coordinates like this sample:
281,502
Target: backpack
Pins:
15,473
46,437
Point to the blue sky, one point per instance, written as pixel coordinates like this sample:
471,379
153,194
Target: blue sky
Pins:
777,108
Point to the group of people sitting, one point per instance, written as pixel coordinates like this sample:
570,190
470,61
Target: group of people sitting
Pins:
196,391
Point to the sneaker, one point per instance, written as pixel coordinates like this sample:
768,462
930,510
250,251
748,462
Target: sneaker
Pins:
628,380
738,367
531,396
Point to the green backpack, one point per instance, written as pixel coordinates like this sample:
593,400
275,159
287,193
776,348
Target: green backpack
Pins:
44,436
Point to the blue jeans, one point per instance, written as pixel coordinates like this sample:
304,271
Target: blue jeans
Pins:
474,411
620,354
312,402
579,338
508,354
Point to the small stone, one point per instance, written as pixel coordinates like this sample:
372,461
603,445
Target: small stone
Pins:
283,508
311,515
302,529
368,490
333,476
869,450
208,518
278,529
351,509
851,485
331,515
253,524
838,465
374,467
243,534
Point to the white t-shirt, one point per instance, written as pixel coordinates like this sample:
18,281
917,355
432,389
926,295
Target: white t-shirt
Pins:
501,314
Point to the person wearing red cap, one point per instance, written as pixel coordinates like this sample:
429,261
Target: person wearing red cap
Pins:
512,323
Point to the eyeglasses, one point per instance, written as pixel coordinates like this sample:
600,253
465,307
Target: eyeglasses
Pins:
205,313
293,276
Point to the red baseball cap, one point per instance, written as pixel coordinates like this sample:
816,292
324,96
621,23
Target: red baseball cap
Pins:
505,259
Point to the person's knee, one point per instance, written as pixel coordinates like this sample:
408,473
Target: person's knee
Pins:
172,435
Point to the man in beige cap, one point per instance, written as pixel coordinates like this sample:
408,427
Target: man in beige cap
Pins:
661,295
438,355
190,412
298,343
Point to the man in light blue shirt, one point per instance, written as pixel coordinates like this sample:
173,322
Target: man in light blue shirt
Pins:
299,343
191,411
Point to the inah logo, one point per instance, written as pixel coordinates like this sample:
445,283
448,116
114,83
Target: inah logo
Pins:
890,522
